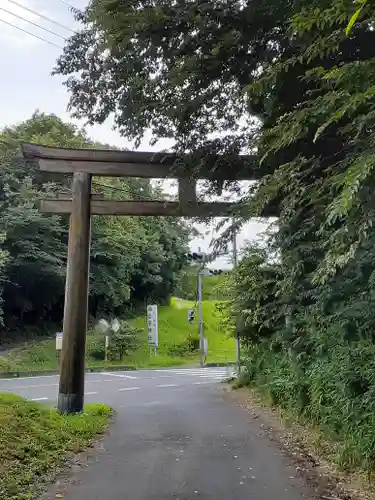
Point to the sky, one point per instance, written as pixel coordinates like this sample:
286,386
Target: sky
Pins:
26,85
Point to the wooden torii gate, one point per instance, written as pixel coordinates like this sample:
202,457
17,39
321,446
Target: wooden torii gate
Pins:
83,164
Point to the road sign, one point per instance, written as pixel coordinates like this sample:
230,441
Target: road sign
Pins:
152,325
59,339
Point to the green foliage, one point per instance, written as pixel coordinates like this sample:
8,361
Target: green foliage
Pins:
154,51
34,440
334,389
123,341
315,360
174,330
132,259
355,16
188,346
95,347
3,262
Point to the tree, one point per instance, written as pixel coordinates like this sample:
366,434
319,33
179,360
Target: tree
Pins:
35,244
34,247
175,60
329,129
3,261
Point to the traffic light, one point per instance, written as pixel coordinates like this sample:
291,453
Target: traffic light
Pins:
196,256
215,272
190,315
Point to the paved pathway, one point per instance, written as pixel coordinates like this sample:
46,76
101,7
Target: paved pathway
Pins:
175,437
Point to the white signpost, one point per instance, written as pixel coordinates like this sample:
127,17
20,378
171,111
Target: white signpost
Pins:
152,325
205,346
59,340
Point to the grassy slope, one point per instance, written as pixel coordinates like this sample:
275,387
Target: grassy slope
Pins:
35,439
173,329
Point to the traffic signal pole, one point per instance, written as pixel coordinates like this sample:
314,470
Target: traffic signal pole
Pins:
200,317
198,256
238,341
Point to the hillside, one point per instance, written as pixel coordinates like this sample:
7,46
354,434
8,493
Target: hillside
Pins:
174,330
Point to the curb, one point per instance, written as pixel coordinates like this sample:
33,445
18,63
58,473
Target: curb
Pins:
90,369
95,369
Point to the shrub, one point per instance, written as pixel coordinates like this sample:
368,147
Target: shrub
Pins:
190,345
95,347
124,340
7,365
178,350
193,343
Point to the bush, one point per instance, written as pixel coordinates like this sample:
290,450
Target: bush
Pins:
193,343
95,347
190,345
179,350
123,341
7,365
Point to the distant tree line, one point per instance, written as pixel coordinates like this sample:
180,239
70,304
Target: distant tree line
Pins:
133,259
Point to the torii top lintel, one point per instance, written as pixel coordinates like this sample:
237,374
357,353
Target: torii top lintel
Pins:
119,163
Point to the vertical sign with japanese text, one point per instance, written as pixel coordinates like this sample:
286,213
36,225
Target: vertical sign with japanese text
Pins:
152,325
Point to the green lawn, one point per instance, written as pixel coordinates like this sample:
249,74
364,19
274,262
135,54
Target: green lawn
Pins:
174,329
35,439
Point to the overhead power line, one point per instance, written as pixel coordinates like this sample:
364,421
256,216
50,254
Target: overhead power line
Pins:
31,22
67,4
32,34
40,15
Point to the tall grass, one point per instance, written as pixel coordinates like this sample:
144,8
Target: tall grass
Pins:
332,388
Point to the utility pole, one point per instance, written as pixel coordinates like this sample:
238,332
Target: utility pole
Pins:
238,341
72,365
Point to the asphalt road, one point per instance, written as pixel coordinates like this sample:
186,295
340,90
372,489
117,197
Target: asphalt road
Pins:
175,437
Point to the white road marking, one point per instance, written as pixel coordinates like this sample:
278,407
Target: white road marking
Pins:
201,383
168,385
88,393
165,376
214,374
38,399
128,389
119,375
192,370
